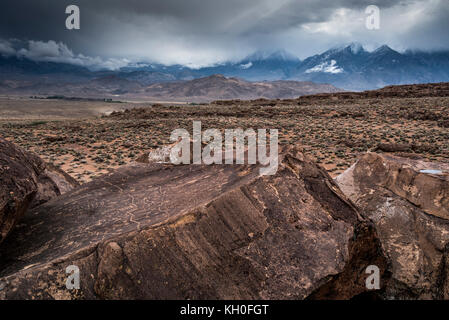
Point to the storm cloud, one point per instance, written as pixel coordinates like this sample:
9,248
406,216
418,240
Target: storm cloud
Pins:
204,32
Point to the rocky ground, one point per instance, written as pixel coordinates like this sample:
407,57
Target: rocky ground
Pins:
333,129
162,231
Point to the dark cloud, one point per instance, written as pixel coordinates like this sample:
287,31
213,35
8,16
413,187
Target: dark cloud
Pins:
59,52
199,32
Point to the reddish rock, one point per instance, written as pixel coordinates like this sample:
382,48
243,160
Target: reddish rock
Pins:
160,231
52,182
25,181
408,201
18,180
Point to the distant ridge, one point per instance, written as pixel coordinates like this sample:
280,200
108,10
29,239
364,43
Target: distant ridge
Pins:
219,87
204,89
397,91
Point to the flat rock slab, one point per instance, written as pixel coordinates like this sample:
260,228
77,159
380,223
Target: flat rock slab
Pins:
408,202
154,231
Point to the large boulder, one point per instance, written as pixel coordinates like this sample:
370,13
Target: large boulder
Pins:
18,180
408,201
161,231
26,181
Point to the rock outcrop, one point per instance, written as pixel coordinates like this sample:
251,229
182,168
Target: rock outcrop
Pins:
52,182
408,201
25,181
157,155
18,179
160,231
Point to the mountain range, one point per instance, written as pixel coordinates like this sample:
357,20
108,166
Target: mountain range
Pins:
348,67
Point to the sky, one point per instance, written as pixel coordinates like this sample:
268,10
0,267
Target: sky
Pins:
200,33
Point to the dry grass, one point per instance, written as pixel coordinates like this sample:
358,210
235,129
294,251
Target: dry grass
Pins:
334,133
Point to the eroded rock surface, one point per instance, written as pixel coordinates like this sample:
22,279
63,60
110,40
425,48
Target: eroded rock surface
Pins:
52,182
408,201
158,155
26,181
18,180
158,231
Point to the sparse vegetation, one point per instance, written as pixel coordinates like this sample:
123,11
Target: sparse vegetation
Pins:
332,131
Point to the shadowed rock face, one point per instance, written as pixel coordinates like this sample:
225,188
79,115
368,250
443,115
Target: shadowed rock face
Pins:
155,231
26,181
51,183
408,202
18,180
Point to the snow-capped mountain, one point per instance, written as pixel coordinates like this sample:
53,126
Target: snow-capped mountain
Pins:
354,68
350,67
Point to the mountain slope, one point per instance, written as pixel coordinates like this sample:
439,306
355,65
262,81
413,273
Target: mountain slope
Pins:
357,69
